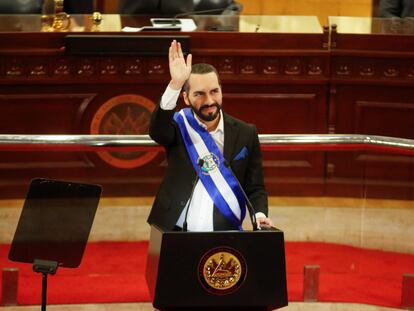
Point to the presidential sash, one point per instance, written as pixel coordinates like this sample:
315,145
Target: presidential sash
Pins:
217,179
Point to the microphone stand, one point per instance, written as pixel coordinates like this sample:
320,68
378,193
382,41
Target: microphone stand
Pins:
200,165
248,203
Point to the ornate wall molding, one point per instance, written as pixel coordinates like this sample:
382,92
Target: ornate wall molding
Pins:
380,69
68,68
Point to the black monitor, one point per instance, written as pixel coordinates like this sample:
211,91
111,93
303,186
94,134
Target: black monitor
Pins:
55,222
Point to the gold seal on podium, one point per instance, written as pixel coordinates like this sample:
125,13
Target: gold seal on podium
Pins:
222,270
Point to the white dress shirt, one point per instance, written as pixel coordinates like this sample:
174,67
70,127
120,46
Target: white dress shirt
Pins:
200,213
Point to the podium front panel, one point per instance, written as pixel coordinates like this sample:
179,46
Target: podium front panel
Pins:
183,256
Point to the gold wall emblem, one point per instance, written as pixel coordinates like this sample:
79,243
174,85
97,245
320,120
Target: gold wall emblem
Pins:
222,270
127,114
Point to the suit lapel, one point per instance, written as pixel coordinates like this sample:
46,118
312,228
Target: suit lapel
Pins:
231,133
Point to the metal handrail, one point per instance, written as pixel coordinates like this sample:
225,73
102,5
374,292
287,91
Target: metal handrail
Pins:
269,142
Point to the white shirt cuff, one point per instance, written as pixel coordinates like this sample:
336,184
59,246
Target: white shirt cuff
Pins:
169,98
260,215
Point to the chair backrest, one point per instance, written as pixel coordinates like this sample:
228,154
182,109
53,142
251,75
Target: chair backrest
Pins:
79,6
228,6
20,6
211,4
169,7
172,7
144,7
155,7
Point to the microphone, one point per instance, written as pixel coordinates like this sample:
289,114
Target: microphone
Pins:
248,203
200,165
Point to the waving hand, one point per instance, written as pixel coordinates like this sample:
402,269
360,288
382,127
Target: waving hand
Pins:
180,68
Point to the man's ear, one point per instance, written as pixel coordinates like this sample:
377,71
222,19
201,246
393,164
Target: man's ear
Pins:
185,96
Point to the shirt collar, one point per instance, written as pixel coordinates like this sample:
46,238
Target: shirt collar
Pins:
220,126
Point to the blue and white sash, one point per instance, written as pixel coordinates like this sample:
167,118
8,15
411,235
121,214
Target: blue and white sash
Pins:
216,178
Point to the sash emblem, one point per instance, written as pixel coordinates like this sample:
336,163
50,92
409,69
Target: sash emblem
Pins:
211,163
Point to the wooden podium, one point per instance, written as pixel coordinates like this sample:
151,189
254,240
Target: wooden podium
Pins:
222,270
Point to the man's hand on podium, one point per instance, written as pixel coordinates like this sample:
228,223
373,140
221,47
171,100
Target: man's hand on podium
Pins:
264,223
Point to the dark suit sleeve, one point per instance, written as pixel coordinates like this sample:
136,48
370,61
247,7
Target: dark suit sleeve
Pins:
78,6
162,127
141,7
390,8
254,181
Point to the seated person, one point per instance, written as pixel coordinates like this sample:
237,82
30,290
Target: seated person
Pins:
228,6
35,6
170,8
19,7
78,7
397,8
155,7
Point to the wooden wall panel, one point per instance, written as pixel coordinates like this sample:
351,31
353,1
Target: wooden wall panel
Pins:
58,113
53,108
373,110
55,112
286,112
379,117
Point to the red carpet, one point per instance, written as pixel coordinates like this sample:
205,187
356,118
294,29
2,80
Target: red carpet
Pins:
115,272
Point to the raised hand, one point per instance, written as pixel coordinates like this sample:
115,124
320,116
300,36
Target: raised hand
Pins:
180,68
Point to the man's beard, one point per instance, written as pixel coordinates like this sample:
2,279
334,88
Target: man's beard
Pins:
207,117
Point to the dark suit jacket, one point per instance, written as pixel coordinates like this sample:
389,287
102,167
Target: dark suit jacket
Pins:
176,186
155,7
78,6
173,7
35,6
397,8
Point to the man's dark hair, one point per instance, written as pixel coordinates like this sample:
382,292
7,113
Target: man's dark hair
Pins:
201,68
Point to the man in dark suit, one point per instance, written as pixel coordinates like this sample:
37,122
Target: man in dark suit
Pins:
204,132
171,8
155,7
397,8
35,6
78,7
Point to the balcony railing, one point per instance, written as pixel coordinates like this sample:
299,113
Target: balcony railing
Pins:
268,142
